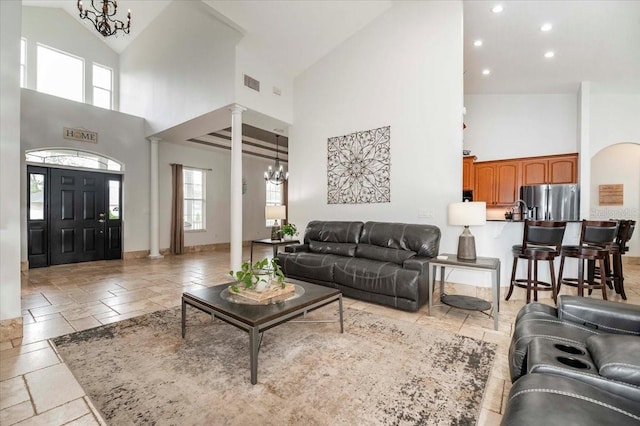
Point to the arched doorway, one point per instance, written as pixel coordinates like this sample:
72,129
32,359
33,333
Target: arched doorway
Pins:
617,165
74,207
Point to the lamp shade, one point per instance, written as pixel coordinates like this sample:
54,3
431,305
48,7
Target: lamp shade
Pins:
468,213
275,212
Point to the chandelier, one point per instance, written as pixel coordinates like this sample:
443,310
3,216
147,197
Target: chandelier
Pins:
276,175
102,17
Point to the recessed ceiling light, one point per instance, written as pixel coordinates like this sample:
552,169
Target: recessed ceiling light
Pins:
486,71
546,27
497,8
477,43
549,54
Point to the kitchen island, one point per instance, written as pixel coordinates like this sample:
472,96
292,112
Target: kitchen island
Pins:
495,239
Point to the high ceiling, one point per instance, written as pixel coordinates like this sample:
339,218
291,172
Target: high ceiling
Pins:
592,40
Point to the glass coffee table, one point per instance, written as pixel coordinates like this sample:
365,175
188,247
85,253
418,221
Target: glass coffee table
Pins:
256,319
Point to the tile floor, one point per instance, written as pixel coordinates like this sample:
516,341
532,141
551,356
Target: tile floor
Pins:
37,388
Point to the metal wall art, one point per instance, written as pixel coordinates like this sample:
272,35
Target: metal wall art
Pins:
358,167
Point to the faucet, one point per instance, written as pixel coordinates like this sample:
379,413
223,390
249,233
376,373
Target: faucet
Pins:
524,211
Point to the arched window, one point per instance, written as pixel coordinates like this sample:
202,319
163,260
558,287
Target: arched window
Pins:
73,158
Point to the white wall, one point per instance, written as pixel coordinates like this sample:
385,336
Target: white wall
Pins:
10,12
614,119
404,70
613,142
120,136
522,125
251,63
217,193
180,67
55,28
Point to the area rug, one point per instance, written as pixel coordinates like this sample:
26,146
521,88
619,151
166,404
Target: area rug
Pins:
380,371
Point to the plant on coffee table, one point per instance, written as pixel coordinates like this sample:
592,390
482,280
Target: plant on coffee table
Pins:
263,271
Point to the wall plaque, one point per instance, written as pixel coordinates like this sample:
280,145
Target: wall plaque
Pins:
611,195
82,135
358,167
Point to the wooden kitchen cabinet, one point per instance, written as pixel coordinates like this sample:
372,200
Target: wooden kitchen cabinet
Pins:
497,182
467,172
550,169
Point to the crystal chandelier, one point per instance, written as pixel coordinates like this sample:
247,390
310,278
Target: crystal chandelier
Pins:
276,175
102,17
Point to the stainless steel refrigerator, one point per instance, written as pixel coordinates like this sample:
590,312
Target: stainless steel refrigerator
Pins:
553,201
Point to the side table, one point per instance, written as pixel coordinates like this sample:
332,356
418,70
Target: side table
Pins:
274,243
467,302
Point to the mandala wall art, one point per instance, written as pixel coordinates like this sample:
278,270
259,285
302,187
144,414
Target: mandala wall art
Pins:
358,167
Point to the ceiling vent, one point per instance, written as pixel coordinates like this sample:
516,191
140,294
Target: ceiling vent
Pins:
251,83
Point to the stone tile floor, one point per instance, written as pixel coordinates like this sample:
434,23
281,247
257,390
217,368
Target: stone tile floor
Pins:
37,388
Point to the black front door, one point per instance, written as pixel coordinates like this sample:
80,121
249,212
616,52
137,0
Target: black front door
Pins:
82,217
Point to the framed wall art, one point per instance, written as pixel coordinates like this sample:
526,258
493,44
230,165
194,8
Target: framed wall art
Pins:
359,166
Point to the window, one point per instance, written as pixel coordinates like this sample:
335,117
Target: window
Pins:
274,198
36,196
114,199
102,86
194,199
73,158
23,62
60,74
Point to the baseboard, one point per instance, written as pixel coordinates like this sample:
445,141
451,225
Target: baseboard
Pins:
631,260
141,254
10,329
24,266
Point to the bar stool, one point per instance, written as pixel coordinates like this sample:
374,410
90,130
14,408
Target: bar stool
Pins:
615,278
541,241
596,239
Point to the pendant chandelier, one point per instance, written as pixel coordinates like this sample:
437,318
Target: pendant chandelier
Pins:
276,175
101,17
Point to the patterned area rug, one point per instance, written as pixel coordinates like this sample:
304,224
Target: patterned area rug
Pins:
380,371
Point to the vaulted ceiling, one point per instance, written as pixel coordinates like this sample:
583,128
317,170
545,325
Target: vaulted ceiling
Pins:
592,40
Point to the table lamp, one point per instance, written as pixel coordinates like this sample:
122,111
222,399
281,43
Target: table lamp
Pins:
467,214
275,213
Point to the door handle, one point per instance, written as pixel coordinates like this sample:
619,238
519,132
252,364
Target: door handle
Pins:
101,217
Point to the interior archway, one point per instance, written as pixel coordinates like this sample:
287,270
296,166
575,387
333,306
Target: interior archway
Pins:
614,165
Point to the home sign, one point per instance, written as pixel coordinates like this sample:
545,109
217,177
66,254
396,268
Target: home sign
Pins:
81,135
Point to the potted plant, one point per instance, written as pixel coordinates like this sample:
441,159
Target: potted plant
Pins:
289,231
257,276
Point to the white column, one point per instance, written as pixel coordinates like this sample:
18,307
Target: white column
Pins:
154,207
236,187
584,148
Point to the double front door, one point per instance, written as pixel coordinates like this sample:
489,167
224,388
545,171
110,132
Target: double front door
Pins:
73,216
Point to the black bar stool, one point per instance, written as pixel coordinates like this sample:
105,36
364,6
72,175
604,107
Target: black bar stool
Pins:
615,278
541,241
596,239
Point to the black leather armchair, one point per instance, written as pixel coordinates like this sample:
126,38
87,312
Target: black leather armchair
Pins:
577,364
573,322
546,399
379,262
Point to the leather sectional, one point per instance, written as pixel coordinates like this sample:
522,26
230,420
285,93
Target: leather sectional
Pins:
577,364
380,262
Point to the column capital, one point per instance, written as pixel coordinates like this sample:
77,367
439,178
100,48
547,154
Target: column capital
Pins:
154,139
237,109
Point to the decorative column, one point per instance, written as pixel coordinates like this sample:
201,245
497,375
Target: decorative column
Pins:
154,207
236,187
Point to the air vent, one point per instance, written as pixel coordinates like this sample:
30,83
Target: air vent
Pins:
251,83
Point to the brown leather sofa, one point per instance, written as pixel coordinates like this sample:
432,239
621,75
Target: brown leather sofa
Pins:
380,262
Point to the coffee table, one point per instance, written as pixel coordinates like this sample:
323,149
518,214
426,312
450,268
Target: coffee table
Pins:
256,319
